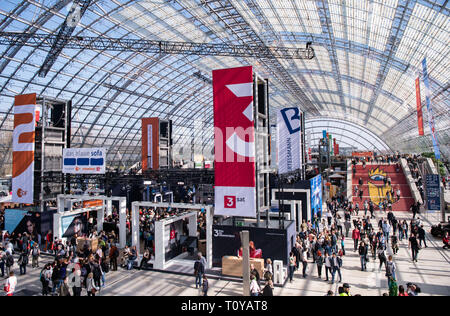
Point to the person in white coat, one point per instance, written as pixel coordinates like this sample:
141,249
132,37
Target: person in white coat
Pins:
10,284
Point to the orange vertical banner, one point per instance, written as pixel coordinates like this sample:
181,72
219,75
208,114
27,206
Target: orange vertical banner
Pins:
150,143
419,107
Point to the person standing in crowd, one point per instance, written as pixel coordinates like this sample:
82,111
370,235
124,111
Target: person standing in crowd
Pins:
445,241
10,284
268,288
363,255
319,262
113,255
356,236
35,253
2,263
304,259
391,269
205,286
291,266
414,246
381,256
401,291
254,286
64,288
23,261
46,277
346,290
90,285
199,269
328,266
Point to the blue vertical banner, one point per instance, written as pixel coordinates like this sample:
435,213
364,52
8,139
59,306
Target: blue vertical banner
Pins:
431,122
316,196
433,192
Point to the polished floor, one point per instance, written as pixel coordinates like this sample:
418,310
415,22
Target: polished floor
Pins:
431,273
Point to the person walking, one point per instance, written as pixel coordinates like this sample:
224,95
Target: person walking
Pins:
304,259
9,262
45,278
10,284
421,233
35,253
64,288
2,263
391,269
254,286
381,256
319,262
268,288
414,246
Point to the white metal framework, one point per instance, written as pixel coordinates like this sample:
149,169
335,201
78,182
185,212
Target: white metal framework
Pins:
368,53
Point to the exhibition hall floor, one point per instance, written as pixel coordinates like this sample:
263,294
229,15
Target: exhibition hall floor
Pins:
431,274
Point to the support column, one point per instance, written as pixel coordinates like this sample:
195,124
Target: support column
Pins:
159,245
122,223
245,238
192,225
209,222
100,218
108,207
135,226
57,225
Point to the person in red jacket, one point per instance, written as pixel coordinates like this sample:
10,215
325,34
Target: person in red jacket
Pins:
445,240
356,236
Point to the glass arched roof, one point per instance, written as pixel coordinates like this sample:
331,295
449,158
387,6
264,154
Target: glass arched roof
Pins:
369,53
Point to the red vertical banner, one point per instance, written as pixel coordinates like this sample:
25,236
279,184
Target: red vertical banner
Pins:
23,149
150,143
419,108
234,142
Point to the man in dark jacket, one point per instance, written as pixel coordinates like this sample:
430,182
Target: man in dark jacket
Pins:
421,232
363,255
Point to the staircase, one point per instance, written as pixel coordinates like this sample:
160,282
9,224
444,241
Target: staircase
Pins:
374,189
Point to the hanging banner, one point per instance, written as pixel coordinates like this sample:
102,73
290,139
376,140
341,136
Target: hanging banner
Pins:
150,143
23,149
431,122
84,160
234,142
289,140
419,108
316,196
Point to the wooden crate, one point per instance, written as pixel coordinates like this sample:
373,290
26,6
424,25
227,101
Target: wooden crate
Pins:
232,266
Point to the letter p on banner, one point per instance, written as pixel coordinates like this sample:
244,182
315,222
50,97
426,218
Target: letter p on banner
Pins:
23,148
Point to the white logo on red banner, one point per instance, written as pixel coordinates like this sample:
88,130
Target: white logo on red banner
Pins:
235,193
23,148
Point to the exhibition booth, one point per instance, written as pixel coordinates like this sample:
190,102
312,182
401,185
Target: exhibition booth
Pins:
69,220
176,236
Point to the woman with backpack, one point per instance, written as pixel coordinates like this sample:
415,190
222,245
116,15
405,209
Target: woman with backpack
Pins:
23,261
35,253
45,278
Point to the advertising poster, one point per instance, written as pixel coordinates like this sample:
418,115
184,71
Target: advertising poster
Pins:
21,221
74,224
316,196
234,142
431,122
23,149
289,127
264,243
150,143
84,160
